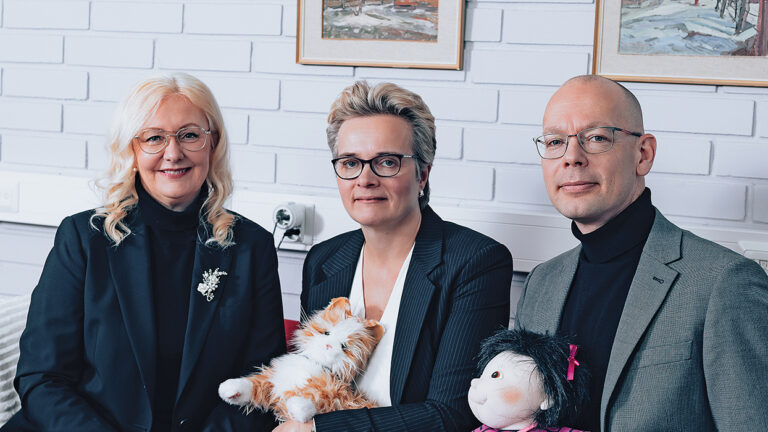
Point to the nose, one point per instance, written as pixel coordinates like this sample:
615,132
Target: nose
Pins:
475,394
173,151
367,178
574,154
328,346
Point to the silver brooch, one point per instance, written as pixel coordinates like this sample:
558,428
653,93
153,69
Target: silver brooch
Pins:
210,282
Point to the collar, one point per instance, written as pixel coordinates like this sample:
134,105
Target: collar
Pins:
156,215
627,230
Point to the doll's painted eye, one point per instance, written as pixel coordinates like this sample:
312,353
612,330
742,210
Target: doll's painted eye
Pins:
496,374
327,333
344,346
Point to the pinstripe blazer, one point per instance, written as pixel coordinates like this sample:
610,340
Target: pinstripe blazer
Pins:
456,293
691,349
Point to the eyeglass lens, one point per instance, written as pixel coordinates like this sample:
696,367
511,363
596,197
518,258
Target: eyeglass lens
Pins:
592,140
351,167
154,140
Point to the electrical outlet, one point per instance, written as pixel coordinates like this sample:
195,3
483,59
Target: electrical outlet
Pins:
9,197
294,223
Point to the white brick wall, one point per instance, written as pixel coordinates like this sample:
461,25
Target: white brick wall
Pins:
65,64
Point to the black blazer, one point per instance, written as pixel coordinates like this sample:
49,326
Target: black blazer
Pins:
456,293
87,359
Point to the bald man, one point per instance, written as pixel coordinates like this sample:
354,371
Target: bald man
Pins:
674,328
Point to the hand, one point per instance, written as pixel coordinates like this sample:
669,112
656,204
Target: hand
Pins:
294,426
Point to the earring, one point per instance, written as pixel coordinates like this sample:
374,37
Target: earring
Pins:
134,169
421,193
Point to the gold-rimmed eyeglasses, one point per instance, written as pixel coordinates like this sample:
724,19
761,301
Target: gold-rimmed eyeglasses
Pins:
191,138
592,140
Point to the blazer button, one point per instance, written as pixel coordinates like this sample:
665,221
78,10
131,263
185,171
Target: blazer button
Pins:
183,422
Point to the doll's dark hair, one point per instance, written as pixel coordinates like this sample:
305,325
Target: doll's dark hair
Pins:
550,354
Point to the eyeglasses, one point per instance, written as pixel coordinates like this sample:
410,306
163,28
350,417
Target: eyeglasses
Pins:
592,140
189,138
384,165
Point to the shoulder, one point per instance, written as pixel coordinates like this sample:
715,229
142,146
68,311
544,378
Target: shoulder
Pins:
461,242
81,225
321,251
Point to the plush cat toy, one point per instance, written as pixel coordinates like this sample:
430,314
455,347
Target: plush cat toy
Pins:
332,347
528,382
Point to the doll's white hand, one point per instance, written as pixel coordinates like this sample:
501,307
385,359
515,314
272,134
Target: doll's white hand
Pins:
236,391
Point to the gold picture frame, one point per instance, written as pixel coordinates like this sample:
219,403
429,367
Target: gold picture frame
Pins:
425,34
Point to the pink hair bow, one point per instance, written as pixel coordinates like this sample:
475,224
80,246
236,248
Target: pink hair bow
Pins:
572,362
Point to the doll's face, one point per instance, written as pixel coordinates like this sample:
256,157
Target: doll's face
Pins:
508,393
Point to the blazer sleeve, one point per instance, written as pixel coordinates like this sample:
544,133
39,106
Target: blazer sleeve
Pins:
266,340
735,347
479,306
51,348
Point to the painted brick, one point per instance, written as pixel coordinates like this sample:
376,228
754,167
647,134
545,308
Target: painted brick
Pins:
232,18
116,52
528,1
682,155
112,86
667,88
524,67
98,157
460,103
741,159
31,48
410,74
136,17
280,58
463,182
30,116
698,199
58,152
204,54
449,141
762,118
94,119
245,92
289,20
760,204
522,106
296,95
253,166
45,83
501,145
483,25
295,131
45,14
697,114
305,169
521,185
237,126
564,26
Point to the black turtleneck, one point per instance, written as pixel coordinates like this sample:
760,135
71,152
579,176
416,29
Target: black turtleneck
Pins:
607,264
171,236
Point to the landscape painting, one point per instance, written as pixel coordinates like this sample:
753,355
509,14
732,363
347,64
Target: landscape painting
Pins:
694,27
389,20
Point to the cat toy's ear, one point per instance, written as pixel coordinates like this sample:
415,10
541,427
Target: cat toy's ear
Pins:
376,329
340,305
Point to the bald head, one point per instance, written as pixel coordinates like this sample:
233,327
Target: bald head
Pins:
626,102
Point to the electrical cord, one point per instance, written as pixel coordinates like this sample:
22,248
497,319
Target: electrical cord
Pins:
290,232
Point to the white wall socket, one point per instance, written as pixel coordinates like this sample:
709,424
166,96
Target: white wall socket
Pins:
9,196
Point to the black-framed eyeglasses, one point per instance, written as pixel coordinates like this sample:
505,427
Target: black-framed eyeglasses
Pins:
191,138
383,165
592,140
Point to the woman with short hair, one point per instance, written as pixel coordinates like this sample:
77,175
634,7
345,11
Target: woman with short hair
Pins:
437,288
147,303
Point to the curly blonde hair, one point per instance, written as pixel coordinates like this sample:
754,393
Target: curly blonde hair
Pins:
117,184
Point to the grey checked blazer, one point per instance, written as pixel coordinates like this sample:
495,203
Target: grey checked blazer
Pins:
691,348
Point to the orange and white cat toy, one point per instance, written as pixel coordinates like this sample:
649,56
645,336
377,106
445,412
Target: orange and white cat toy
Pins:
332,347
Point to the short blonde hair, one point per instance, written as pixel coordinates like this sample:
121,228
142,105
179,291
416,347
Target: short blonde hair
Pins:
362,100
117,184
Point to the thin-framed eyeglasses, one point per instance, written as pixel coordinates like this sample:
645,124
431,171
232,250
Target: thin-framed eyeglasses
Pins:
592,140
383,165
191,138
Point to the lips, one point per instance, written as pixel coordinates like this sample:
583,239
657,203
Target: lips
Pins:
370,199
174,173
578,186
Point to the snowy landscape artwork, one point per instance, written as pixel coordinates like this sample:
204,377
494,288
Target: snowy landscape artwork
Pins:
391,20
693,27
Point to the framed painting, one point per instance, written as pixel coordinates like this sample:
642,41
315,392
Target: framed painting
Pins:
385,33
722,42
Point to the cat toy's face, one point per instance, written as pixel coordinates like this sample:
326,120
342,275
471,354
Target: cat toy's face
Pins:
338,340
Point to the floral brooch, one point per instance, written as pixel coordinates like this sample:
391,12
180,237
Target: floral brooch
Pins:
210,283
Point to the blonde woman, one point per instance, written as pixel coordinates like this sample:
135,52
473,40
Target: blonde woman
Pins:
147,303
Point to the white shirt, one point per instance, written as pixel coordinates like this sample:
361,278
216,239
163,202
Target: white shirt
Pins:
375,380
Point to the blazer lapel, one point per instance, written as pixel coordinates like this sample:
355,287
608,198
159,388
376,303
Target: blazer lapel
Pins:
417,295
339,271
202,311
650,285
129,267
550,303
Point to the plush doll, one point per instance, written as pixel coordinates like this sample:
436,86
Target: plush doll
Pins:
332,347
527,382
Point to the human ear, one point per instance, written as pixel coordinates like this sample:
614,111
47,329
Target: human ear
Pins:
424,175
647,154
